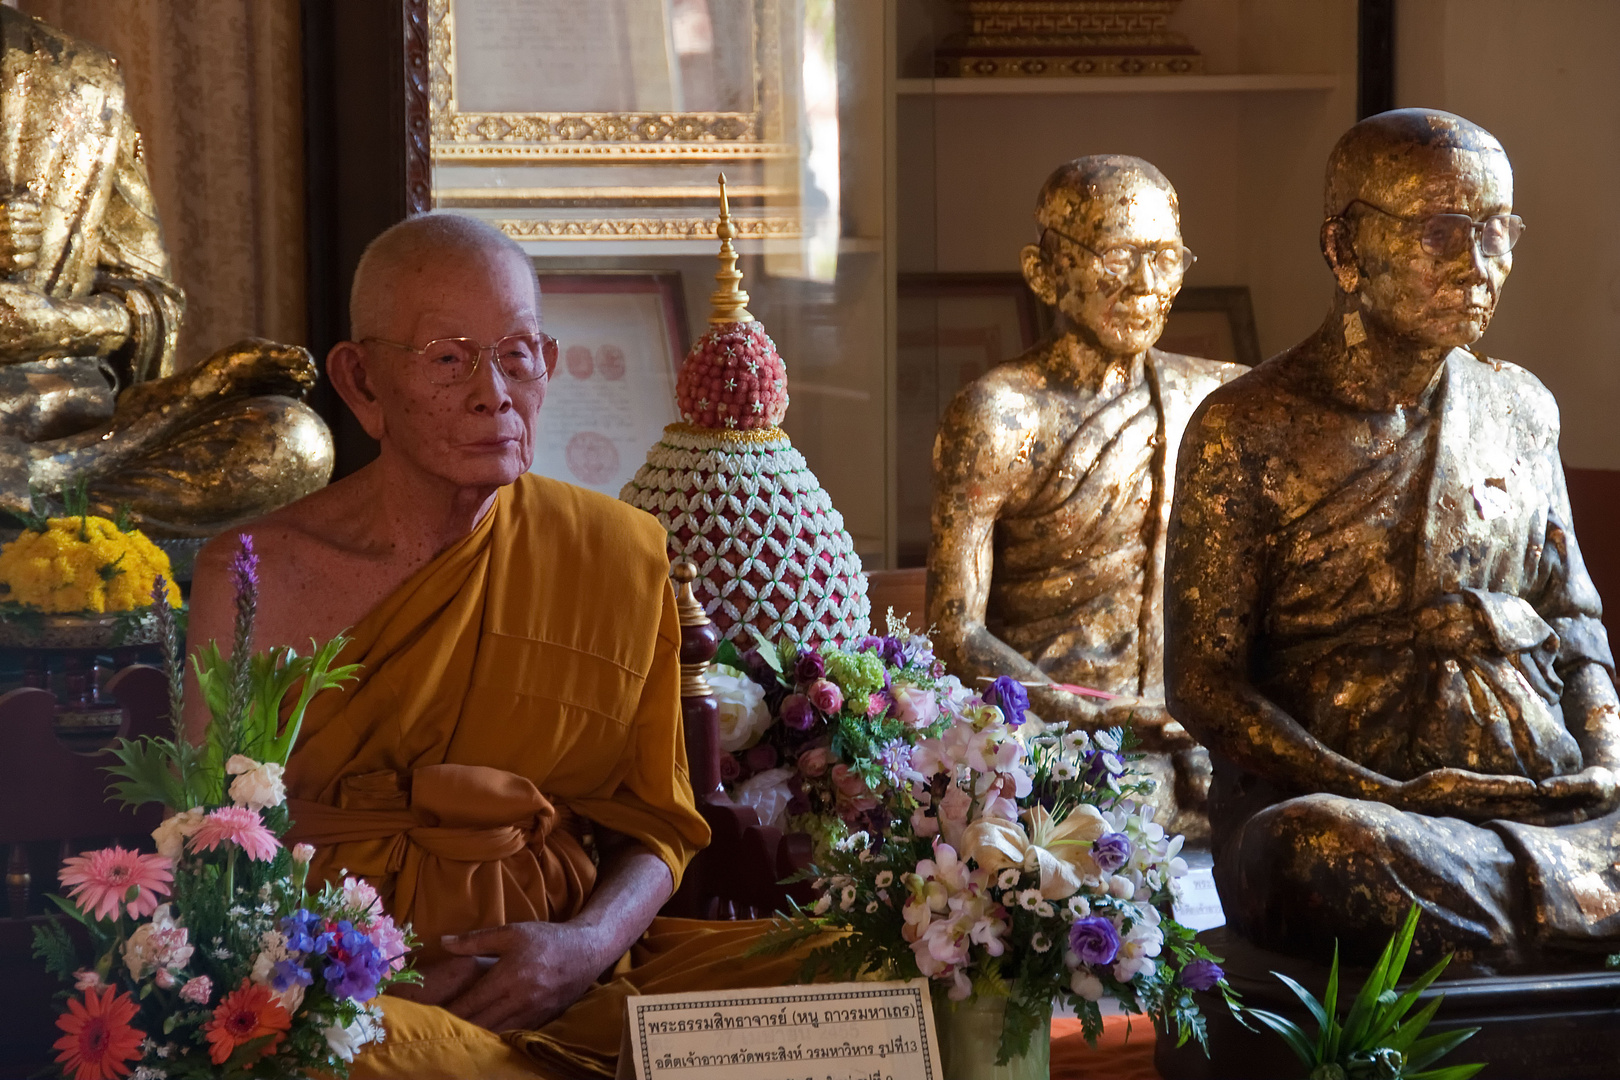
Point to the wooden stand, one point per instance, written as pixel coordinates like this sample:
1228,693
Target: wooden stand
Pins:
737,876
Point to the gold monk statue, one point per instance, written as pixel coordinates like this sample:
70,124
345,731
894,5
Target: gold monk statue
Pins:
1052,473
1378,618
90,317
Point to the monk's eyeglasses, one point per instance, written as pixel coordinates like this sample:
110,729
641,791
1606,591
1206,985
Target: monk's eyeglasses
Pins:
448,361
1445,236
1120,260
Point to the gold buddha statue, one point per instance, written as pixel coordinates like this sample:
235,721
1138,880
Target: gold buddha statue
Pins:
1052,475
1378,620
90,318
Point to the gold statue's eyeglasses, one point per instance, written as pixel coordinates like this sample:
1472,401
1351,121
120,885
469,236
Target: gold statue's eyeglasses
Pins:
448,361
1119,260
1445,236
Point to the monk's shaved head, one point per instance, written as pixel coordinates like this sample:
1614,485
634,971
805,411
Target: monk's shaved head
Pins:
436,242
1083,195
1390,158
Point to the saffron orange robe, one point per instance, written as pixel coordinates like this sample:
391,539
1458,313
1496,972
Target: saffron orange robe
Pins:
521,686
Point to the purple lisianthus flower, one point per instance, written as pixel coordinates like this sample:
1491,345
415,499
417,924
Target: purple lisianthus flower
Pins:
761,757
797,712
1008,695
809,667
1202,975
1094,940
825,696
287,974
1112,851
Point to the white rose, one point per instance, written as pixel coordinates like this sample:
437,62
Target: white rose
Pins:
743,715
256,786
172,834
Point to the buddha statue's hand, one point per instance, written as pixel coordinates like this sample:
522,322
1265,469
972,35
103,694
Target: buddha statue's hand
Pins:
1470,795
249,368
33,324
1156,730
21,233
1592,792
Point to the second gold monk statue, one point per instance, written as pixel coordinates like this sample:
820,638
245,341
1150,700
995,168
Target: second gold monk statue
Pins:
1052,475
1377,615
90,318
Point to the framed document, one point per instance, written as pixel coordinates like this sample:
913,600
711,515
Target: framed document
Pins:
621,338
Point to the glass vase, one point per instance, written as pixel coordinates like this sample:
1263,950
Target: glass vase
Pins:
970,1038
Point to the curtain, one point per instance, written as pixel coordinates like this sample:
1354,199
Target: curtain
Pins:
216,89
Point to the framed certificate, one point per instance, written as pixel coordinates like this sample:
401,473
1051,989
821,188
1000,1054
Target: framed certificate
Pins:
621,338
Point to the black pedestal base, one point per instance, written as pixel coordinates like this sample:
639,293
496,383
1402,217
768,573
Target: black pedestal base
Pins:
1549,1027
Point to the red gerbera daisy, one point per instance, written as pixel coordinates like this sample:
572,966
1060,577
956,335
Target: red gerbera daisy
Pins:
246,1013
99,1039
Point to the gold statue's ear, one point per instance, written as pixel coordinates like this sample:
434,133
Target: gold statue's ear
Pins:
1038,273
1340,252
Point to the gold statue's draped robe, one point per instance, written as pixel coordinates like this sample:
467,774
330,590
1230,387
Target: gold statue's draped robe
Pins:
521,686
1422,616
66,139
1079,567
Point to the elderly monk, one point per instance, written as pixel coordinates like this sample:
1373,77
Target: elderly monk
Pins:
1052,473
510,770
1378,618
90,318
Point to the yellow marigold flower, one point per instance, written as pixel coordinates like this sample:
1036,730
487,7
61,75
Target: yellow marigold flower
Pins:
83,564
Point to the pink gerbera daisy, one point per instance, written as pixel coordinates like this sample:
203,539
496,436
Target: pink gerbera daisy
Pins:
101,881
240,826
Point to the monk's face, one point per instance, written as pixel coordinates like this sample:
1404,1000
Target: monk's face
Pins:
1113,295
476,433
1432,300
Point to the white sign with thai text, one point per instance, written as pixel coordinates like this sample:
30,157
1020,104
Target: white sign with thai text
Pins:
831,1031
1195,903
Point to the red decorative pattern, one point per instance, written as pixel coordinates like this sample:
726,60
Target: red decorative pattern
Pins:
733,378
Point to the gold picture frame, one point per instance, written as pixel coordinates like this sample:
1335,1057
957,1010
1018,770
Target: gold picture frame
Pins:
464,137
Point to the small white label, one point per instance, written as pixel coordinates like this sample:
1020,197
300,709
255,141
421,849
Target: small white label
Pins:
1195,902
845,1031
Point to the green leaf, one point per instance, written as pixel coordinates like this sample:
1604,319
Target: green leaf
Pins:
1291,1034
1406,1036
1405,1002
1309,1000
53,945
1363,1011
1425,1052
145,772
1328,1044
69,908
1403,946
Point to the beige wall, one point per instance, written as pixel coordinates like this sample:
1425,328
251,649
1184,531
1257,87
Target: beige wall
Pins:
1248,166
1542,76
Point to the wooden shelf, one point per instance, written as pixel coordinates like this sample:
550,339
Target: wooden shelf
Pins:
1115,84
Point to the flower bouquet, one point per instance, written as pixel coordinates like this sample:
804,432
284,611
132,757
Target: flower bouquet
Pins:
210,957
1001,859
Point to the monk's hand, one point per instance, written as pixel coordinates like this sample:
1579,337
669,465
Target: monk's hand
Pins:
1156,730
540,969
444,981
1593,790
1472,795
22,233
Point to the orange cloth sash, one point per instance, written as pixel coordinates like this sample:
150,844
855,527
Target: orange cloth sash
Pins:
483,839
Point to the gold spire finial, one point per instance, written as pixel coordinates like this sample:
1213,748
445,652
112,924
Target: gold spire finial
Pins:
728,303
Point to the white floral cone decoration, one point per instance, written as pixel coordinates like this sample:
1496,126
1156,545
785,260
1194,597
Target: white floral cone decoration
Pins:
771,551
